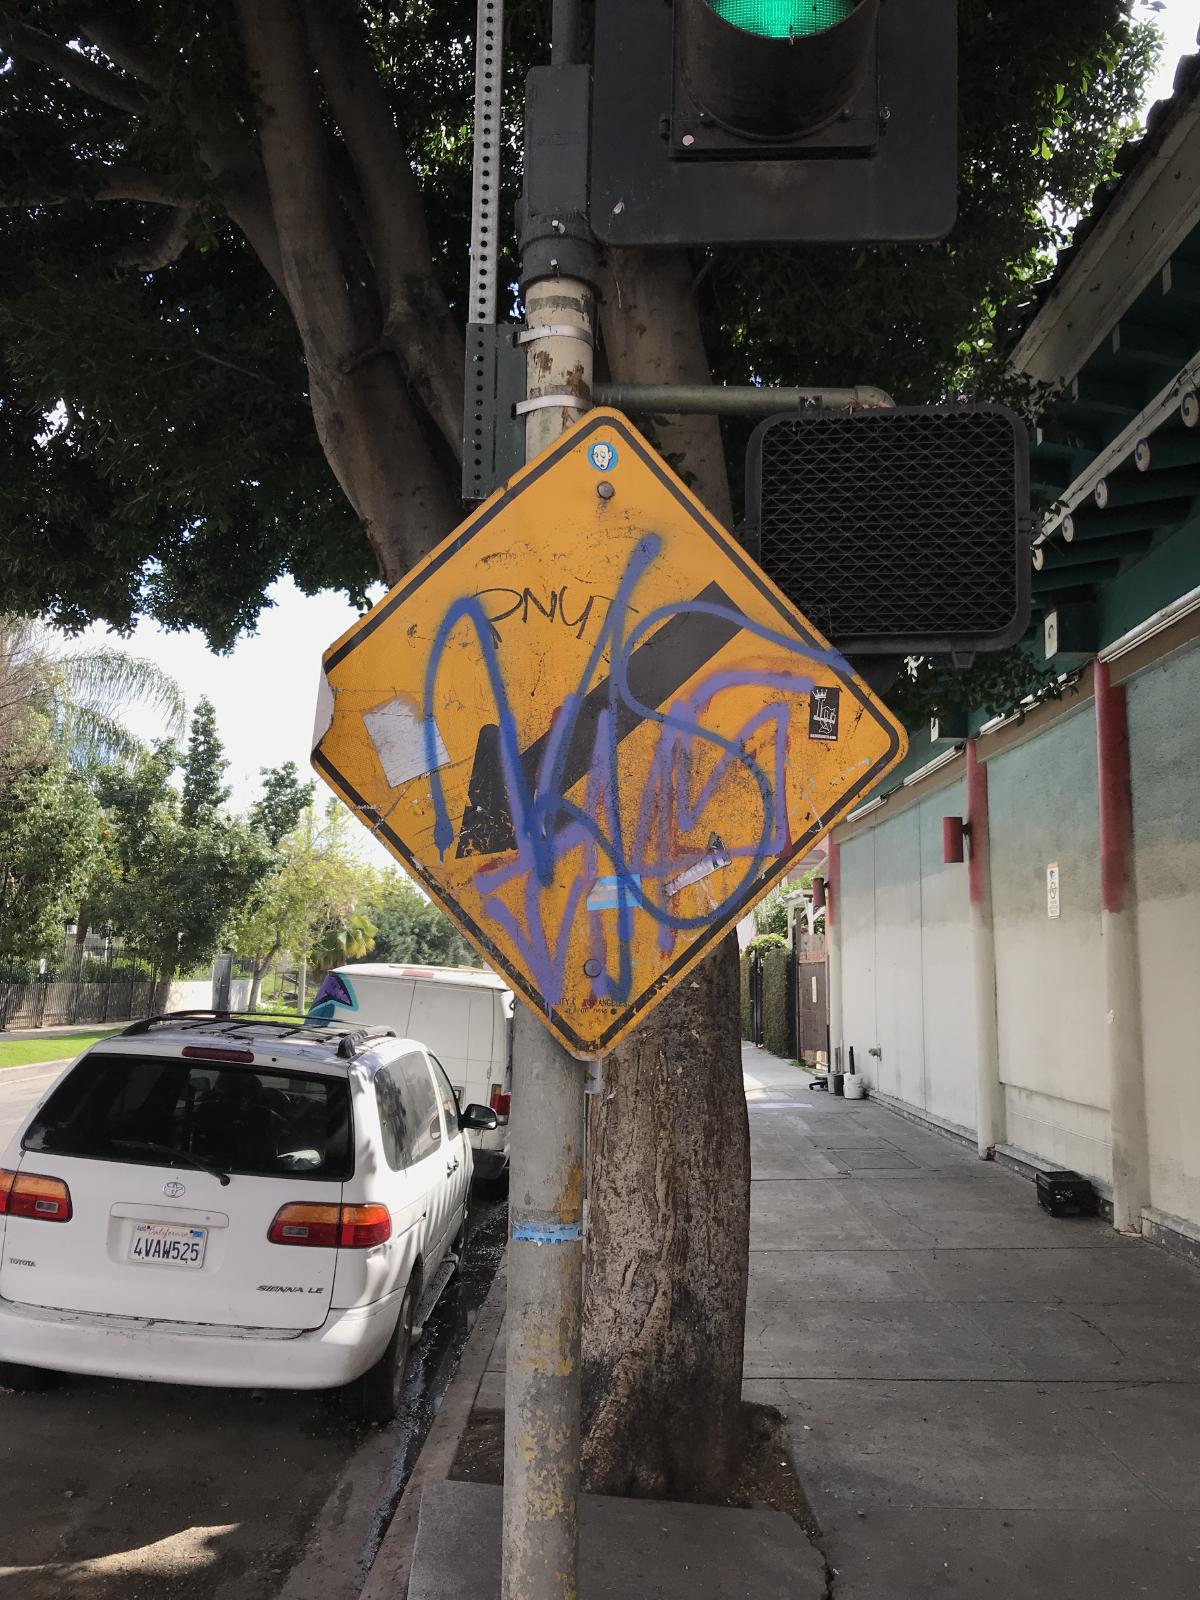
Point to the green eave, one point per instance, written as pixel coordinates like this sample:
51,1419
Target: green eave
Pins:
1116,469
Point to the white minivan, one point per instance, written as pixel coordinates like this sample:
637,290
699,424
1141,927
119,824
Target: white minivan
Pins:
463,1015
235,1201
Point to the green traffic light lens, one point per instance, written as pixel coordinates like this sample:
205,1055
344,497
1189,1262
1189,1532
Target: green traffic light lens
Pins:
783,19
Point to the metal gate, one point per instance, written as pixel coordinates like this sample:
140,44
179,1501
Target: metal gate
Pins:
812,1001
756,1000
80,985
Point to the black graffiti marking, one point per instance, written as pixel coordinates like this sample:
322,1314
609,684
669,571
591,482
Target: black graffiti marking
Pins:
519,602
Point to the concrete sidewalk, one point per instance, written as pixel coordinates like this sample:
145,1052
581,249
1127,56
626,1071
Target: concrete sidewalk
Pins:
982,1400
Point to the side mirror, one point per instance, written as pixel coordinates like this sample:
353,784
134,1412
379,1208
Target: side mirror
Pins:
477,1116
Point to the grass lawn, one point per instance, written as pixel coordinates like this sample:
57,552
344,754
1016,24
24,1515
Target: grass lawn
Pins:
28,1052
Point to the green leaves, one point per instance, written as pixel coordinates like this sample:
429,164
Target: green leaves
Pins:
171,885
49,841
411,928
204,764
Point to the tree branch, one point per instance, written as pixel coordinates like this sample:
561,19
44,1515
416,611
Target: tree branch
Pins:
109,183
105,33
418,324
302,194
31,44
364,416
167,245
231,165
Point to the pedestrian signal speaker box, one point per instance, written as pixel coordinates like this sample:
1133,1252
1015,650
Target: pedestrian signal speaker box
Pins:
898,532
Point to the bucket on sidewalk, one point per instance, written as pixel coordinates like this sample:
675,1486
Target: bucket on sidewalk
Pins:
836,1079
854,1088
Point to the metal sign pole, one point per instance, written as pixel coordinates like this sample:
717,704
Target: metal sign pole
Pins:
548,1135
545,1255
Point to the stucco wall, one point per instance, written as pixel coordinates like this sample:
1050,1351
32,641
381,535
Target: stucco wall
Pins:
906,961
189,995
948,976
1164,739
856,916
1049,970
907,975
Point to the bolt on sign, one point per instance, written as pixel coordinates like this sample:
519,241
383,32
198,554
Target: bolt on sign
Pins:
595,732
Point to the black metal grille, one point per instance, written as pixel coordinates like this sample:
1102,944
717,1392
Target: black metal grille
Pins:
897,531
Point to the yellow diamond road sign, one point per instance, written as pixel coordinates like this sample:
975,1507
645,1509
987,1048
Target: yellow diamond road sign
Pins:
595,732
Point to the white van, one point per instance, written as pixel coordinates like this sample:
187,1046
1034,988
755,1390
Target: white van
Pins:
462,1015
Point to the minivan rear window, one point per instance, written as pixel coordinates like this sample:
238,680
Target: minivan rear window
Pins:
158,1111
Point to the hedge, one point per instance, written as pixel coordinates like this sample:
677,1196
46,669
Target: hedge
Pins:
777,1023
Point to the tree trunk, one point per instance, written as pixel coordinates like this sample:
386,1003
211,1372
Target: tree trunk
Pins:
669,1144
652,335
667,1248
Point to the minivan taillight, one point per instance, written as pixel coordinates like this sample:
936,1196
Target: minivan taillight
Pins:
348,1227
28,1194
500,1102
363,1226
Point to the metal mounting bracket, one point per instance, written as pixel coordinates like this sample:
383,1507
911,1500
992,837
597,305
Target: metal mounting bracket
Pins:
493,437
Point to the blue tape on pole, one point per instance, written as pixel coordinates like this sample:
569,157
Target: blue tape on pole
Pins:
548,1232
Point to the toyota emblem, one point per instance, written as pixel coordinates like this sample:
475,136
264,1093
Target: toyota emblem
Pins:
174,1189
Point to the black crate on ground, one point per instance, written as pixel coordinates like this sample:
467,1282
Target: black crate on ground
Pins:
1066,1194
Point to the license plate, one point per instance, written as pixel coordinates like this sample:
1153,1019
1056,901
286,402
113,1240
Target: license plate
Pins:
162,1244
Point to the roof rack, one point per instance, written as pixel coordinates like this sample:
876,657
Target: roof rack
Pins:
350,1037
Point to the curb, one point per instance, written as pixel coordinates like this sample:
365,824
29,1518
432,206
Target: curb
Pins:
389,1574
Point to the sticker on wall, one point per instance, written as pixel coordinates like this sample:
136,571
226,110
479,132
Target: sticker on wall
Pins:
1053,899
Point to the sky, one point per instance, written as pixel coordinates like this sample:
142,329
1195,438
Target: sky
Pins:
265,691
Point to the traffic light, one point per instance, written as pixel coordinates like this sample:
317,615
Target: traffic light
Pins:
773,121
897,532
771,77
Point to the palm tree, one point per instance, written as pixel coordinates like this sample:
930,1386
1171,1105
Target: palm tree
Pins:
49,696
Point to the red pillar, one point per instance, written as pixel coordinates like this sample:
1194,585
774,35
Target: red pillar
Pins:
1122,966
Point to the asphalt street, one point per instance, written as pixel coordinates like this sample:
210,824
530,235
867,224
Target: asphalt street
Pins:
20,1089
128,1491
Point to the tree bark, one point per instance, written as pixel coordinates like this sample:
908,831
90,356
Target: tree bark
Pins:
667,1248
652,335
669,1144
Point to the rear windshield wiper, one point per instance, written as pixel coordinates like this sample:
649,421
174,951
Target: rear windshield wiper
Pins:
185,1156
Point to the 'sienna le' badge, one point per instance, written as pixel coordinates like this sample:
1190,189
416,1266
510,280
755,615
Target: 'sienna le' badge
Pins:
595,731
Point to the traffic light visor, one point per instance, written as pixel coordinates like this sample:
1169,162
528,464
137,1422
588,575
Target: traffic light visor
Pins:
783,19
